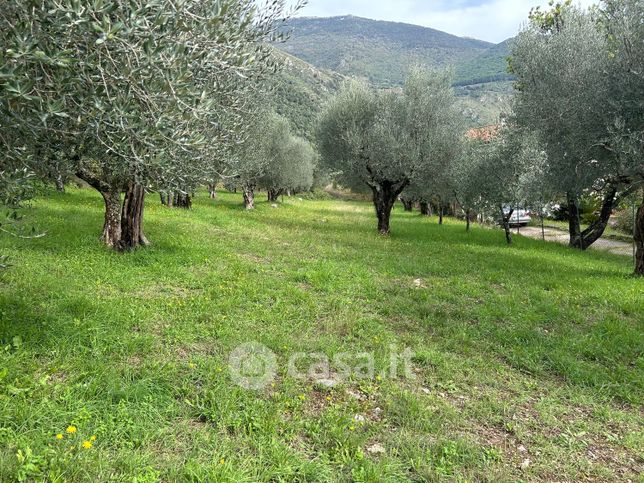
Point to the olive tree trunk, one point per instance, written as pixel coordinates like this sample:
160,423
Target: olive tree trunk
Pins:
212,190
167,198
639,241
110,190
408,204
274,194
123,224
111,235
183,200
440,212
249,196
132,218
468,215
60,183
385,195
425,209
584,239
505,221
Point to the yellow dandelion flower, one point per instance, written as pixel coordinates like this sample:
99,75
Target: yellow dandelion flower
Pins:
93,438
59,436
192,366
87,444
222,461
302,397
378,377
328,398
71,429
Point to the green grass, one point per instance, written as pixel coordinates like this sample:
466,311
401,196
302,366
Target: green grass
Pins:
528,359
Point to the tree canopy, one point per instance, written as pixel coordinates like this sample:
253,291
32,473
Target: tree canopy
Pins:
134,93
579,89
386,140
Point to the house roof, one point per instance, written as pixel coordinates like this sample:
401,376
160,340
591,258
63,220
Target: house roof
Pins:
485,133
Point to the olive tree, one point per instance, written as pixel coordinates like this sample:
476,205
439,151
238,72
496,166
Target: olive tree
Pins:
388,139
433,189
252,157
290,169
462,180
434,184
437,129
274,159
134,93
581,88
502,173
623,25
561,61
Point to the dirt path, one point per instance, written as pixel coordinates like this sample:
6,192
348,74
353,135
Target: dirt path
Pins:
560,236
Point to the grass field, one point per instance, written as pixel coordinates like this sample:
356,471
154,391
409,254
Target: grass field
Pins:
528,360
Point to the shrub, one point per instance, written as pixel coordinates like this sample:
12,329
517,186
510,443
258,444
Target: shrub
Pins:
624,220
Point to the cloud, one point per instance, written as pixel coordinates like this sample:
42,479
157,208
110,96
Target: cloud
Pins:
491,20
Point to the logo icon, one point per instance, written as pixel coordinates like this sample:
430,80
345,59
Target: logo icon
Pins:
252,366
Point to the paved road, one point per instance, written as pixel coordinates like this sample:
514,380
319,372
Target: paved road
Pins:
560,236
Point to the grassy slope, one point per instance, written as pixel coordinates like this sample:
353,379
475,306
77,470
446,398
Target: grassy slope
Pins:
532,352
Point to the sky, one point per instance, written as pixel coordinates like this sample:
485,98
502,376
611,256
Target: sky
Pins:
491,20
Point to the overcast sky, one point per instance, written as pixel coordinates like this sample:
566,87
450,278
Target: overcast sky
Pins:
491,20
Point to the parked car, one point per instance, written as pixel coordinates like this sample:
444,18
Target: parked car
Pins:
520,217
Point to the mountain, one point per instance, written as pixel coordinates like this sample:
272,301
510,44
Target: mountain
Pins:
383,52
300,90
323,52
488,66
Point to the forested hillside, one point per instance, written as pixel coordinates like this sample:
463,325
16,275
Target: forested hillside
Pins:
489,66
300,90
383,52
